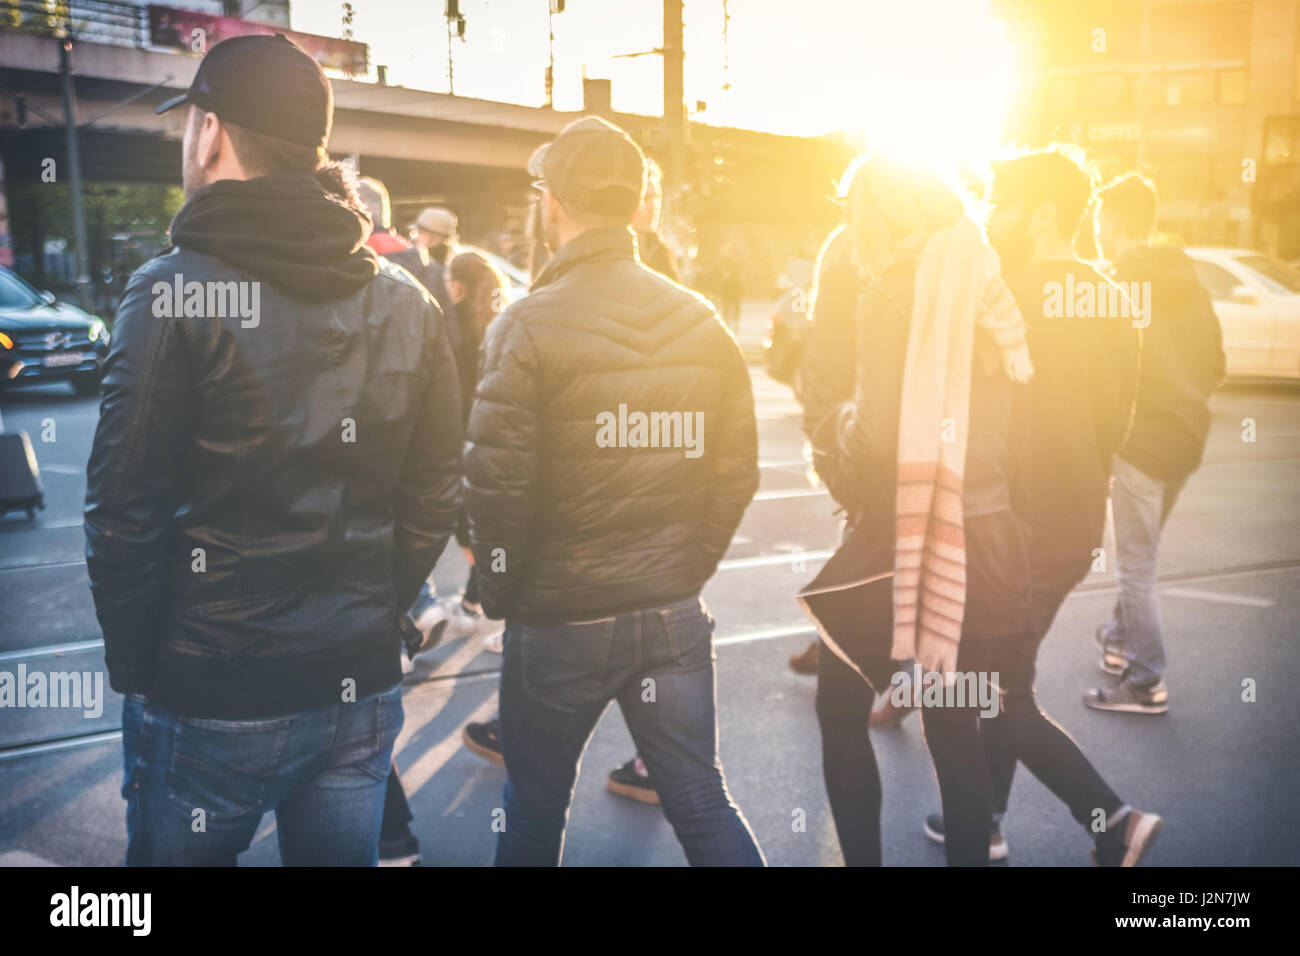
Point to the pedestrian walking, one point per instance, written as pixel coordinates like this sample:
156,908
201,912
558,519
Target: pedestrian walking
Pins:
920,357
274,472
1080,405
1182,364
610,455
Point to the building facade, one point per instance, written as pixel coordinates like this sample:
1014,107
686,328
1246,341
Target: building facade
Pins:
1200,95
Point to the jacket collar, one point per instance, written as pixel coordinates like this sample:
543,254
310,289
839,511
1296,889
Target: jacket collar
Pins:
591,246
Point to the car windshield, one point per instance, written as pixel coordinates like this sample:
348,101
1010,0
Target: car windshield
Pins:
1278,277
15,293
504,266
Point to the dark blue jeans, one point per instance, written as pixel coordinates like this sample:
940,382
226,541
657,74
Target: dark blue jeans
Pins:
556,683
196,789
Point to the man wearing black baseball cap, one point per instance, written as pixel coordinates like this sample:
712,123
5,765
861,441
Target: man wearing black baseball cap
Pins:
611,452
274,473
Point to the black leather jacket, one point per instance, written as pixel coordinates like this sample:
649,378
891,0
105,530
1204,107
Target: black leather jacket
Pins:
264,502
569,524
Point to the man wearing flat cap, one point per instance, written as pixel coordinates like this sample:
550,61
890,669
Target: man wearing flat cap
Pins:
611,452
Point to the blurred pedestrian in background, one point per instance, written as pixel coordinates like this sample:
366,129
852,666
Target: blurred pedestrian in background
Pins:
651,248
1182,364
434,235
383,239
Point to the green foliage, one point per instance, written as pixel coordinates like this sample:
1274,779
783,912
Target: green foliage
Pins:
144,210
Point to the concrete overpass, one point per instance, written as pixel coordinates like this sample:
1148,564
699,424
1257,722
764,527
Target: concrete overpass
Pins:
754,198
423,143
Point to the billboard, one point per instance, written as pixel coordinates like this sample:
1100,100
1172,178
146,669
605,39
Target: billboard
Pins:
197,32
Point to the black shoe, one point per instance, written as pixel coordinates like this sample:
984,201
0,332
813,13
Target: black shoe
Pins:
399,851
1128,698
485,740
1129,841
998,849
626,782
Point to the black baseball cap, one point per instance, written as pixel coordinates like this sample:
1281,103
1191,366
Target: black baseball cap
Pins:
267,84
593,166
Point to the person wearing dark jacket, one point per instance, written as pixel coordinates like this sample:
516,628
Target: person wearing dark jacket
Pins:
611,452
427,257
631,779
908,245
1080,405
274,472
651,248
1182,364
475,288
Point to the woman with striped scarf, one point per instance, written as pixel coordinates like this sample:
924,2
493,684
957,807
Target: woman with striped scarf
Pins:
915,374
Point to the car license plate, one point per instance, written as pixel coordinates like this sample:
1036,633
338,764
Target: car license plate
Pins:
63,358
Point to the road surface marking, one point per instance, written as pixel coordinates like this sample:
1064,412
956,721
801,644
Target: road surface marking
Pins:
1217,597
51,650
766,560
65,743
765,634
790,493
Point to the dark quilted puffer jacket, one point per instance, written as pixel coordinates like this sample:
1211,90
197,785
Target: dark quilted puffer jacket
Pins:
612,449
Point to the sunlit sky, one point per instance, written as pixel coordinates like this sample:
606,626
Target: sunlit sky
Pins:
910,76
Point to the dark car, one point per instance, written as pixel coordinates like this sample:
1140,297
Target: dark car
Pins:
787,335
43,339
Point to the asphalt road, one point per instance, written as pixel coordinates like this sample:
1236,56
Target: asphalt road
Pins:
1220,770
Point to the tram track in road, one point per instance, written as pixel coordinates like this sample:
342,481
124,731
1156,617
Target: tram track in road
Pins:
766,632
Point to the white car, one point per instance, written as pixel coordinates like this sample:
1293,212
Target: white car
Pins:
1257,300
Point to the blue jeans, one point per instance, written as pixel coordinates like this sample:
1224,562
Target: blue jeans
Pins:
196,789
1140,506
556,683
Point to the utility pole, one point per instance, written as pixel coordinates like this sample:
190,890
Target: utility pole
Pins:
74,173
455,28
1142,83
550,47
674,92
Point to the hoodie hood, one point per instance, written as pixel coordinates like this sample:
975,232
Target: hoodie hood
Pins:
304,232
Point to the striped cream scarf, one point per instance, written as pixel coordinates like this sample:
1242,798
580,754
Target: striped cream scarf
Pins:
958,288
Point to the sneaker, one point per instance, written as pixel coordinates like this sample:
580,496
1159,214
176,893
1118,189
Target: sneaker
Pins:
1127,697
805,662
443,620
495,642
485,740
1113,659
997,842
632,780
399,851
1129,842
432,625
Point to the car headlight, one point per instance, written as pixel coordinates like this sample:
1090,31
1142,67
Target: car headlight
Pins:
98,331
5,341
